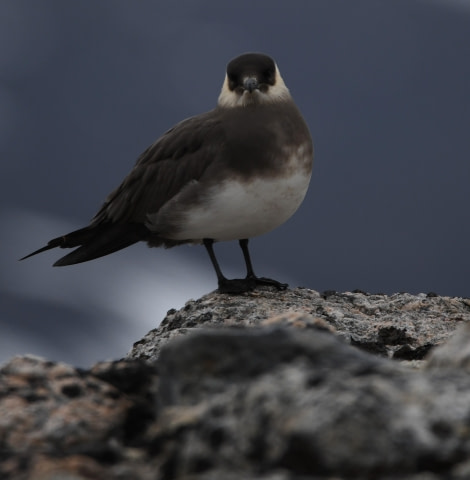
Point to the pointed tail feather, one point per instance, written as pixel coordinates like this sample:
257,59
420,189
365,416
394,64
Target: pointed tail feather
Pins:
94,242
72,239
51,244
110,241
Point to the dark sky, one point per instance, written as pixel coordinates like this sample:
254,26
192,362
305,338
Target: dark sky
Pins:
86,86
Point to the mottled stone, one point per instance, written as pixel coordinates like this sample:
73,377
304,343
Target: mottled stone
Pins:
57,421
400,326
306,402
290,385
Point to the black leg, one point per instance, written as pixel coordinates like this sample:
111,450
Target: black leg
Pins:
250,274
234,286
246,255
208,243
239,285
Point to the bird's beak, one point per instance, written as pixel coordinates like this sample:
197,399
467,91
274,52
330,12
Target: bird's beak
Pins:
250,84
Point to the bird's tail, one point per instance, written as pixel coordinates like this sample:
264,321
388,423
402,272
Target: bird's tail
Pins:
94,241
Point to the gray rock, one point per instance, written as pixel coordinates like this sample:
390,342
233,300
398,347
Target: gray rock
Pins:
400,326
59,422
270,385
454,354
257,400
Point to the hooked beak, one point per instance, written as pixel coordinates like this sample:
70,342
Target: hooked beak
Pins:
250,84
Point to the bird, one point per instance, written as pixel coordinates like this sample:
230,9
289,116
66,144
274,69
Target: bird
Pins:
235,172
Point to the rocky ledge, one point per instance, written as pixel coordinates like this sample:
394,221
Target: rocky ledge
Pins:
269,385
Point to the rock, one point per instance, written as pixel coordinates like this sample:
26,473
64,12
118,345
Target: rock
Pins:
59,422
302,401
455,354
400,326
270,385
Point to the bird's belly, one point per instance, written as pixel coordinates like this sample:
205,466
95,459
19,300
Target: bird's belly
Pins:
237,209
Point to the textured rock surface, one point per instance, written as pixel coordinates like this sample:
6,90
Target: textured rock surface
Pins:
272,387
401,326
56,420
305,402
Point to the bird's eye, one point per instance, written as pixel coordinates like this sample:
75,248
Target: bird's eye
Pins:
232,83
270,76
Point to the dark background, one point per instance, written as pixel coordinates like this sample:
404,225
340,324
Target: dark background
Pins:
86,86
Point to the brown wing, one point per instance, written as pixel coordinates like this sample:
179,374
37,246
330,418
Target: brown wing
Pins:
181,155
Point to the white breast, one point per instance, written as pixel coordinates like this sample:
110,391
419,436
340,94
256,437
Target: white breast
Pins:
235,209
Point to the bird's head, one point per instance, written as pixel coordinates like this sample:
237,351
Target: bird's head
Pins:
252,79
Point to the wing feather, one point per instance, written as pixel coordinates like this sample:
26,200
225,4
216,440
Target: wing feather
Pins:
180,156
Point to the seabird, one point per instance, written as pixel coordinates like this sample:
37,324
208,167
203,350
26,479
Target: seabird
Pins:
235,172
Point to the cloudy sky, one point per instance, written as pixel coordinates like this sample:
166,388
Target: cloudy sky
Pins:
86,86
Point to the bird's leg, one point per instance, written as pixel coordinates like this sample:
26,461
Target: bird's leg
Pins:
234,286
208,243
250,274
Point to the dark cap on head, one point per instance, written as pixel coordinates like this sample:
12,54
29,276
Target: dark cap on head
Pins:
251,65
